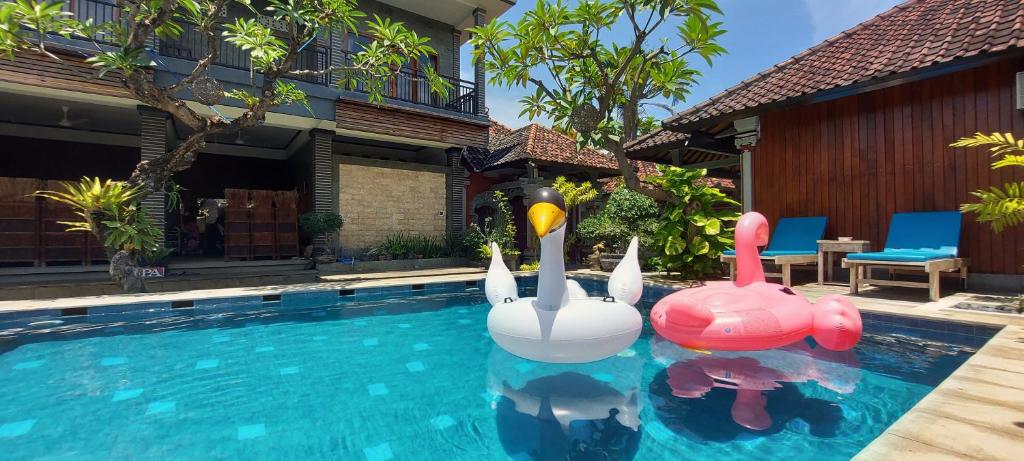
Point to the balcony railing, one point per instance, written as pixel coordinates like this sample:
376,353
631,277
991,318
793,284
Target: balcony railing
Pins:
409,86
101,12
406,85
192,45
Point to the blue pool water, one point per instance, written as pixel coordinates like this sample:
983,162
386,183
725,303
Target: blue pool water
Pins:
415,377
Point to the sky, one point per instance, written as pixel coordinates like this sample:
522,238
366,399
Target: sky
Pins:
760,33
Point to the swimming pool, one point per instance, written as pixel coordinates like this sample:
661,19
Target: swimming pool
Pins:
410,373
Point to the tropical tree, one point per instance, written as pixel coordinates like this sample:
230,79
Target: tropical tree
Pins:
1000,207
586,80
30,26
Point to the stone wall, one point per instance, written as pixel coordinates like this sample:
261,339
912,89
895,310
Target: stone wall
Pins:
378,198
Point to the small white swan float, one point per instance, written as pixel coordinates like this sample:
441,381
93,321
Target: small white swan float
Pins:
562,324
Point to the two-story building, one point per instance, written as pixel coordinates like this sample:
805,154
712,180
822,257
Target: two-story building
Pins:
386,168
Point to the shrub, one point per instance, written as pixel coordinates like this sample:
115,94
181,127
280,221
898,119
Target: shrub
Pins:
692,234
627,214
319,223
534,266
110,210
501,230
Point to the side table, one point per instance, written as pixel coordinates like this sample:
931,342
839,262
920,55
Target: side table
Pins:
827,247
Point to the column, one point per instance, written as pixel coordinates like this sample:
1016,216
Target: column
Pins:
747,133
746,145
153,143
455,185
338,48
323,177
456,53
479,75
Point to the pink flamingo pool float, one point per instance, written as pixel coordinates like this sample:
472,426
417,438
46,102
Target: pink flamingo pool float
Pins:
752,314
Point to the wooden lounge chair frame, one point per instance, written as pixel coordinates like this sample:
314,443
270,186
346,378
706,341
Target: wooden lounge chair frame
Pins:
785,263
860,273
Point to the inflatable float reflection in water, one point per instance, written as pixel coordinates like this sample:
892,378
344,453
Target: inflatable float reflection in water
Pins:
752,314
548,411
562,324
755,388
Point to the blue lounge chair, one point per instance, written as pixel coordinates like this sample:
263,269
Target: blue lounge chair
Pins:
927,241
794,241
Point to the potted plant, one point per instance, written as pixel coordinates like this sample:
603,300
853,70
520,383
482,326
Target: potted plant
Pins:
322,224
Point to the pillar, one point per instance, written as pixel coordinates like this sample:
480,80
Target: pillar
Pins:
455,192
747,134
153,143
746,145
322,185
456,53
479,75
338,55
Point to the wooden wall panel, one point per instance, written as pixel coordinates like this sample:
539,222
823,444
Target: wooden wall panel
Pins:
862,158
73,74
392,121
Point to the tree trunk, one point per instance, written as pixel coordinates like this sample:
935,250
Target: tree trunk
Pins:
632,181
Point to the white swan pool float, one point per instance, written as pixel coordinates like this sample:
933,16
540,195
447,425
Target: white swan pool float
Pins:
562,324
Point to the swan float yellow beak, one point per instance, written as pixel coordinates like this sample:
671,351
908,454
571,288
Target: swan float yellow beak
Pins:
548,211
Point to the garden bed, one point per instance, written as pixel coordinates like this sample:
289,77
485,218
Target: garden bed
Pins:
358,267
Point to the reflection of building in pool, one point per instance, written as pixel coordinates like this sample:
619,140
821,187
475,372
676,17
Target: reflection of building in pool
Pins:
566,411
719,396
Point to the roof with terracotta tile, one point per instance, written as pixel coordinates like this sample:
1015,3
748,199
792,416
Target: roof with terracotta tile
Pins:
536,142
660,138
910,36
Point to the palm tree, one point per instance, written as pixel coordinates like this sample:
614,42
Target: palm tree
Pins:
1001,207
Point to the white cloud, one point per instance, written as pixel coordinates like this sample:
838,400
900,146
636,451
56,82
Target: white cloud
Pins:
830,17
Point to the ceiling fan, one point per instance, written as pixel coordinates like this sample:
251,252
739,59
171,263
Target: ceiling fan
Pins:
67,122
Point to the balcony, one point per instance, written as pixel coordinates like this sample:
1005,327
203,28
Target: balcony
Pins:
192,45
408,86
405,86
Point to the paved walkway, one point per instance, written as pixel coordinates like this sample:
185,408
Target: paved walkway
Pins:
976,413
